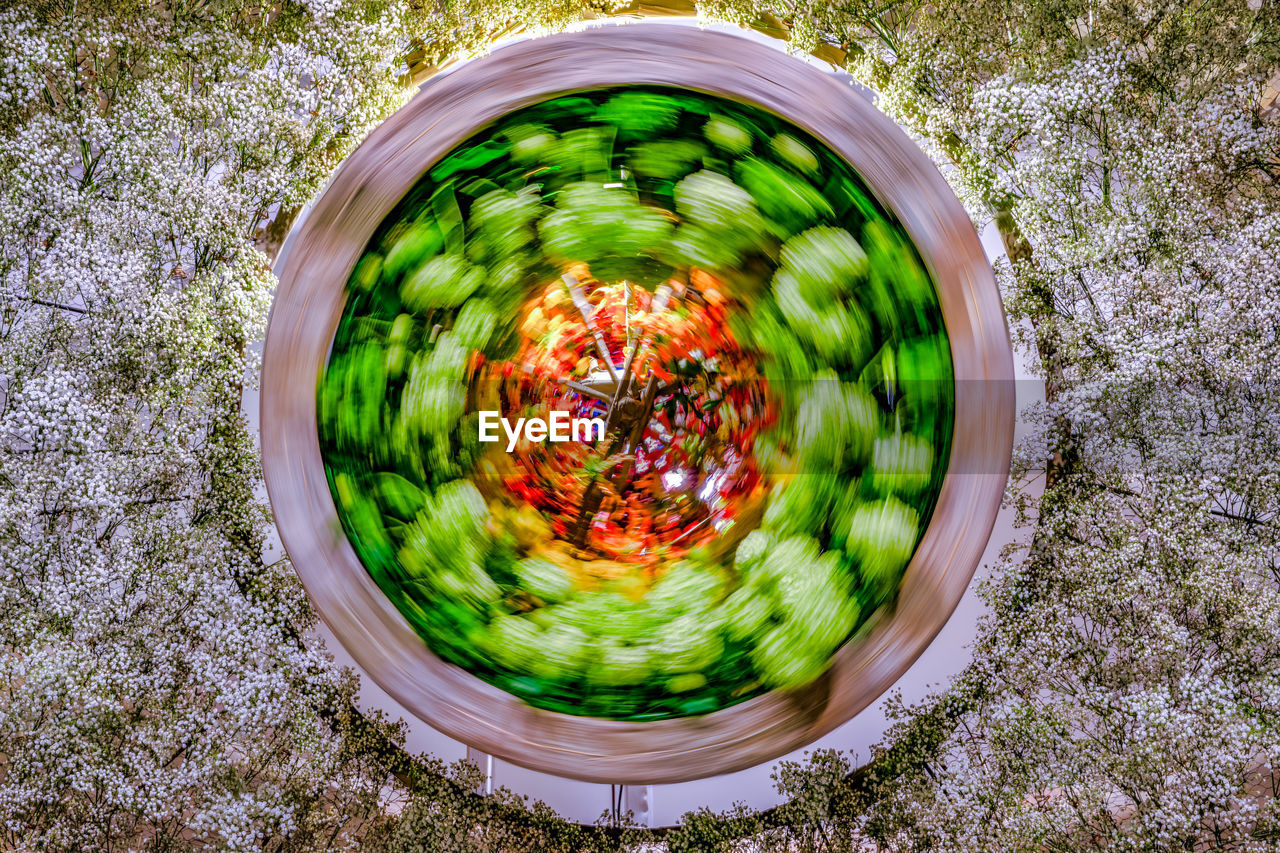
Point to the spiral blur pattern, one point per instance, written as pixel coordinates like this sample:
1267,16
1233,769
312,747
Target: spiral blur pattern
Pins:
760,335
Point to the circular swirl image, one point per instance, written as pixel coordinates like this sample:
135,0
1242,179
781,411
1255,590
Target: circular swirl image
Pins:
638,405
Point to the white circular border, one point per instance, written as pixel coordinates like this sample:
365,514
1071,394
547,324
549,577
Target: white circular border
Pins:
311,297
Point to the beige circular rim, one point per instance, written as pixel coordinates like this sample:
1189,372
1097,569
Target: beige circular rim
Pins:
311,296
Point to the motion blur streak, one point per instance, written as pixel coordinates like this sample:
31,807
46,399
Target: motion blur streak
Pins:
771,317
